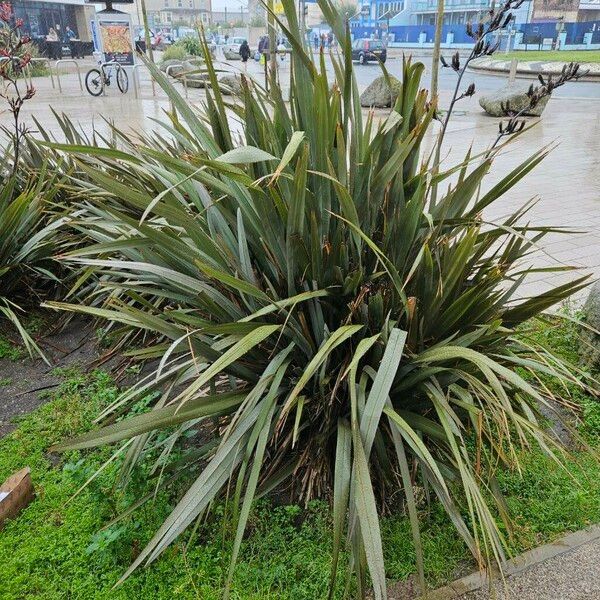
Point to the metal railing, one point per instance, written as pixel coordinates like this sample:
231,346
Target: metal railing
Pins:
63,61
43,59
136,82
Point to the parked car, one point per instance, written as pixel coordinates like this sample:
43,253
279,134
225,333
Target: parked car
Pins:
232,47
364,50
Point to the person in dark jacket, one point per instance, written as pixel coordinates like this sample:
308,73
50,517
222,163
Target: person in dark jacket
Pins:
245,52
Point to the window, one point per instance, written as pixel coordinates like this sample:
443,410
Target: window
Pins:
168,17
180,3
166,3
191,3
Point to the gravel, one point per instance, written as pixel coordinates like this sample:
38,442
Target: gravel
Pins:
574,575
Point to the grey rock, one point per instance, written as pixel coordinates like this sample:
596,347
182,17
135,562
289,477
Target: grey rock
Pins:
513,95
197,80
231,55
379,94
194,63
589,346
230,84
177,66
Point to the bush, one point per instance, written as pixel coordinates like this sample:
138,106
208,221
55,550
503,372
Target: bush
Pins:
191,45
175,52
28,240
335,330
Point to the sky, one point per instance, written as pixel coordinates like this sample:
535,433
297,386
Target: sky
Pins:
233,5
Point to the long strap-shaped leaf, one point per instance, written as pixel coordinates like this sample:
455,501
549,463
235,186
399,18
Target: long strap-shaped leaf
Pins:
341,491
155,419
366,511
234,353
381,387
335,339
410,499
259,453
202,492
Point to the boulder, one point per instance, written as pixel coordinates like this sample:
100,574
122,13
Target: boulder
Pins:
589,346
230,84
515,96
194,63
379,94
197,80
177,66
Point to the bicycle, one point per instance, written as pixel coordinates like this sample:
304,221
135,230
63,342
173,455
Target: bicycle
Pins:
97,79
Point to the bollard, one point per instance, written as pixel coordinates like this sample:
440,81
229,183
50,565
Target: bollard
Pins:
513,70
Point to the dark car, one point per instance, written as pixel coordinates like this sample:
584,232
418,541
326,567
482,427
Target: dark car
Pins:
364,50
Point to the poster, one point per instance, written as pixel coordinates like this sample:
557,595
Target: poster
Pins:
116,41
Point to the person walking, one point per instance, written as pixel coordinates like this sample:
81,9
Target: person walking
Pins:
245,53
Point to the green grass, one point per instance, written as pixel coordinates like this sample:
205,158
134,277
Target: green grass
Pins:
565,56
10,350
56,550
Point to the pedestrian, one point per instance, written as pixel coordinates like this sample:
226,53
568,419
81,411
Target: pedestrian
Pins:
70,38
329,39
245,53
281,50
53,44
316,41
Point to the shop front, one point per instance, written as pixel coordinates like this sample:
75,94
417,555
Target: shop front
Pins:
41,18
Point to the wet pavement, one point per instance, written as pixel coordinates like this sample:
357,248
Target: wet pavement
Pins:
567,182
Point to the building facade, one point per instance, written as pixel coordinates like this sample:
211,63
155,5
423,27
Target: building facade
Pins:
230,18
589,10
456,12
171,13
39,16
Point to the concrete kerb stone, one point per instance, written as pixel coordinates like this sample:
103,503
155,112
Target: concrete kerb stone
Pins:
514,566
531,68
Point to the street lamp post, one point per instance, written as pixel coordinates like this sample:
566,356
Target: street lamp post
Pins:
147,39
437,43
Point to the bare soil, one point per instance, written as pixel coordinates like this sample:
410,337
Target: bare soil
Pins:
26,381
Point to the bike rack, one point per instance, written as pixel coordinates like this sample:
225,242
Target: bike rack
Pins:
136,83
43,59
63,61
27,71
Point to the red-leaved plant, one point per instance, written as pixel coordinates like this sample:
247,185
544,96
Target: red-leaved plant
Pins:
14,58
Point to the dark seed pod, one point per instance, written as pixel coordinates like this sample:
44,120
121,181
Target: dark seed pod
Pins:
456,61
443,61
